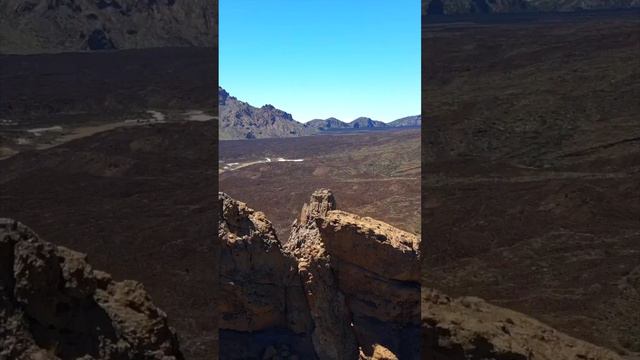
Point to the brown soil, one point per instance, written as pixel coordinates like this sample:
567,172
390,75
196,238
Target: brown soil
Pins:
532,170
377,174
139,200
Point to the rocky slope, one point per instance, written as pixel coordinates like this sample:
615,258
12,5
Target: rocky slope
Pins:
42,26
415,120
469,328
239,120
456,7
312,298
54,305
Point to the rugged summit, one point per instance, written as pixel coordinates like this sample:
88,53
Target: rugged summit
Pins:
54,305
313,298
239,120
42,26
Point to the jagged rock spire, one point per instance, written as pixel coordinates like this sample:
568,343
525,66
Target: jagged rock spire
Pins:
322,201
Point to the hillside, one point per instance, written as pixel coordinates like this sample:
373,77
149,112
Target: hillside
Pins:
41,26
415,120
239,120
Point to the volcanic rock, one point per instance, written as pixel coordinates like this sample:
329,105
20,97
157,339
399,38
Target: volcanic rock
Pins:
361,278
262,304
54,305
343,287
468,328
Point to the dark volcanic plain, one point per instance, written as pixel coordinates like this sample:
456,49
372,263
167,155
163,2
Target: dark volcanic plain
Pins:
531,163
376,173
139,200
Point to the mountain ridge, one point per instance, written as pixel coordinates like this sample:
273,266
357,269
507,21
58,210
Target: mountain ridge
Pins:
364,122
41,26
241,120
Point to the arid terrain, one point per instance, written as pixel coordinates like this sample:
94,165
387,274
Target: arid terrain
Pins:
531,169
377,174
138,197
49,99
138,202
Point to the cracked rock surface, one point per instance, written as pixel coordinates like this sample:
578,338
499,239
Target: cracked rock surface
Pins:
53,305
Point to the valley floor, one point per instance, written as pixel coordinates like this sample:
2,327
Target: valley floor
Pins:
531,158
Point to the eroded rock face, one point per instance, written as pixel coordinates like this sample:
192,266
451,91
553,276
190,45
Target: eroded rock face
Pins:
361,277
262,305
54,305
469,328
332,292
347,287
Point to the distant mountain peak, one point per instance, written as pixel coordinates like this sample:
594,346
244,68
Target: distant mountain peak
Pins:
240,120
366,122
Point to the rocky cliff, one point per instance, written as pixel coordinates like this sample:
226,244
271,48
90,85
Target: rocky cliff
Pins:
347,287
53,305
240,120
312,298
41,26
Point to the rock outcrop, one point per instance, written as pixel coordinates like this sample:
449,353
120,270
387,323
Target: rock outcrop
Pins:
263,311
361,277
469,328
342,287
53,305
347,287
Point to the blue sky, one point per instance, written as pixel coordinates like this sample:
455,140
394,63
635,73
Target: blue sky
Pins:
323,58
